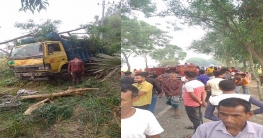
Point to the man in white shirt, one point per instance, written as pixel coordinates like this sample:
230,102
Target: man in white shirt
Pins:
213,84
136,123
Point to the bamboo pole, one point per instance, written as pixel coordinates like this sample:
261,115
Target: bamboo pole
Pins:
52,95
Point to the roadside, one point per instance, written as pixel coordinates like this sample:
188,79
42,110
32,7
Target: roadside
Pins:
174,128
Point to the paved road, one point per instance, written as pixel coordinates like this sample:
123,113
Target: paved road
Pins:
173,128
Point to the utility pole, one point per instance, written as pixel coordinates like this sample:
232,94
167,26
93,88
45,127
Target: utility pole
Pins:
102,18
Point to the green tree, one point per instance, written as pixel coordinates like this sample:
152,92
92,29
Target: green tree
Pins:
140,38
33,5
170,54
39,29
168,62
239,20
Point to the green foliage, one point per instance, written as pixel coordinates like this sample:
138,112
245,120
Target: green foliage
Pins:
168,62
53,113
33,5
145,6
203,62
169,52
112,34
140,38
39,29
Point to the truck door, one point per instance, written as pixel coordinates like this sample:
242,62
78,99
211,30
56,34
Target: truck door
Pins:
55,55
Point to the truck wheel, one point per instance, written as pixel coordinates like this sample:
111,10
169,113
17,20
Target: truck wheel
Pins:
65,75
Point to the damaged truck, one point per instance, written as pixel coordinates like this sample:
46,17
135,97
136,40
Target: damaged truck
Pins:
38,59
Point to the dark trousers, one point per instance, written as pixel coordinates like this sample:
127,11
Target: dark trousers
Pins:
208,94
153,103
145,107
195,115
76,76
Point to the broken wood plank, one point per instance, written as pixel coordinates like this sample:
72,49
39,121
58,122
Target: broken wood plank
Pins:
35,106
58,94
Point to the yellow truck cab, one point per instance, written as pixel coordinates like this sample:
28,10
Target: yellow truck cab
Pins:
43,60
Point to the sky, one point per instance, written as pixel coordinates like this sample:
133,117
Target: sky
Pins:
73,13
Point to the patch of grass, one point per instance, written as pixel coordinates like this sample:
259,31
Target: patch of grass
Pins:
51,113
95,113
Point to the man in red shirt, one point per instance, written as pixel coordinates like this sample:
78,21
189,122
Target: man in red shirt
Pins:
194,96
173,89
76,69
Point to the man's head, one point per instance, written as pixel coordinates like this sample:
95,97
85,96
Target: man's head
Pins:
167,71
127,73
190,75
129,93
172,76
145,74
243,75
234,112
201,72
218,74
139,78
237,75
227,85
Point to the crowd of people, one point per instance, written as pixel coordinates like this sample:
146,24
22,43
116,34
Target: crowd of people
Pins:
216,89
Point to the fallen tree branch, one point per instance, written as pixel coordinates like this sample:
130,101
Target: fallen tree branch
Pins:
16,38
52,95
73,30
35,106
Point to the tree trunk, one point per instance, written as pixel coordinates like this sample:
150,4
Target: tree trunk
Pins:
127,61
245,65
228,63
145,59
226,56
249,49
257,57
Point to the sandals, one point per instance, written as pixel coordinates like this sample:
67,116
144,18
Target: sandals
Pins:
189,127
176,116
188,136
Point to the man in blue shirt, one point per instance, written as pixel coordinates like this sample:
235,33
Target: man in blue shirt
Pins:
202,77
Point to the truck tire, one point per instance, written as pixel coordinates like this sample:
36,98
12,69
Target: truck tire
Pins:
64,75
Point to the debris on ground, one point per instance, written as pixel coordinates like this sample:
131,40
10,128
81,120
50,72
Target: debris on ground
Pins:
69,92
35,106
26,92
8,101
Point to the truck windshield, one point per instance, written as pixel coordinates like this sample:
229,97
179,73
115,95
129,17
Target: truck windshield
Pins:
27,51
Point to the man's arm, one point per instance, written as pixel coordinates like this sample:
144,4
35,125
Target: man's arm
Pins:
195,98
145,89
83,68
165,88
209,112
203,97
157,86
140,93
179,88
257,103
69,69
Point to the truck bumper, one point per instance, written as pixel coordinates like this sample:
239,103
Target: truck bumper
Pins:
34,75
